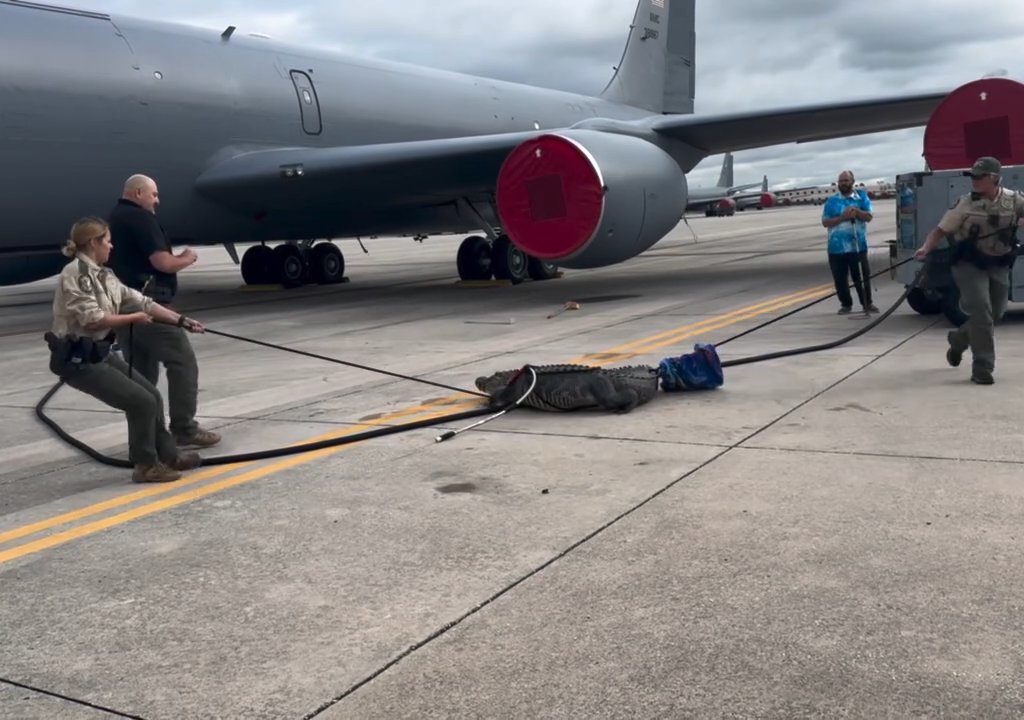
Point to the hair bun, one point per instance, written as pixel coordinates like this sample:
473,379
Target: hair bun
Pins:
69,249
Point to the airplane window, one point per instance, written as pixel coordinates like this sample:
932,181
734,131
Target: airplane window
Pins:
158,75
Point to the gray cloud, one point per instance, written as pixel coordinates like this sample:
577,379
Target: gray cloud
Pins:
750,54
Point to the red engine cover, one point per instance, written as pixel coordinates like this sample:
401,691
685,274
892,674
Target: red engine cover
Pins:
984,117
550,197
767,200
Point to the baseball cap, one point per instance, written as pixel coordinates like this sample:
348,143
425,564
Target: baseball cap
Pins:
984,166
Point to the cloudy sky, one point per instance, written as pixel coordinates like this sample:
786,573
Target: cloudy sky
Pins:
750,54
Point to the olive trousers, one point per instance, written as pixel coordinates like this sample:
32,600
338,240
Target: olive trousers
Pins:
108,382
984,293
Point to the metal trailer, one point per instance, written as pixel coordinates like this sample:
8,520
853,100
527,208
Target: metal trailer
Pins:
921,200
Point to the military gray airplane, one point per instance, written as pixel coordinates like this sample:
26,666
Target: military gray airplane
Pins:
252,141
724,198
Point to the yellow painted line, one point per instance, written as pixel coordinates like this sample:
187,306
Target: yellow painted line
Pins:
192,479
194,494
670,337
767,305
725,322
626,350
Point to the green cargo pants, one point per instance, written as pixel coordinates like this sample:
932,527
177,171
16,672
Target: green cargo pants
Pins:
983,296
108,382
156,344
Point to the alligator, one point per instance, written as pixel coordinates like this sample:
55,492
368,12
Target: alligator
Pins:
573,387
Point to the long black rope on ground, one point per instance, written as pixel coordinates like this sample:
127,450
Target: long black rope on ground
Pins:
281,451
453,417
918,279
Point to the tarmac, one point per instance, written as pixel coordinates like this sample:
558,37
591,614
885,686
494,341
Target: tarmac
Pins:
835,534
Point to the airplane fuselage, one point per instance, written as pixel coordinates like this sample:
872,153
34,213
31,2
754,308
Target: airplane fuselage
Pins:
87,100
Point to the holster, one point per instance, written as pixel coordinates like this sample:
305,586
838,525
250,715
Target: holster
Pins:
67,353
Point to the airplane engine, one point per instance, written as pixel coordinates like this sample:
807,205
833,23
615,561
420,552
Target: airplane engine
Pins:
585,199
767,200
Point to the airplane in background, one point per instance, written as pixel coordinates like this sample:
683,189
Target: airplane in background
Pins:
252,141
724,198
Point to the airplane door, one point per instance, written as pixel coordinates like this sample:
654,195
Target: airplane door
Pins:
309,106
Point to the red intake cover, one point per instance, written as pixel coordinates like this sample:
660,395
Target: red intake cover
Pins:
767,199
984,117
550,197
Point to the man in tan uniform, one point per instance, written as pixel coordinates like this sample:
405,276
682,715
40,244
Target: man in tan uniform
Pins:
983,225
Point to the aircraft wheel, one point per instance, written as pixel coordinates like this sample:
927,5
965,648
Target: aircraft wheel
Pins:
290,265
924,302
327,263
474,259
540,269
257,265
510,263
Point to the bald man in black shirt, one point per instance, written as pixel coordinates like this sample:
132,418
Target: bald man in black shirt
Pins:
142,258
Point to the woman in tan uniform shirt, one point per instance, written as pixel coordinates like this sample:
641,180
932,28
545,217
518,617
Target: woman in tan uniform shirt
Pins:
89,305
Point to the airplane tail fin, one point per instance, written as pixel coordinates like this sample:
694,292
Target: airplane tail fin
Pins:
725,178
656,72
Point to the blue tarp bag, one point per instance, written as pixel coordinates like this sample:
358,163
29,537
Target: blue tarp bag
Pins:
699,370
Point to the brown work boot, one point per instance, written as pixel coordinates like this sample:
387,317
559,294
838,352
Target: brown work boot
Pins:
185,461
198,438
154,474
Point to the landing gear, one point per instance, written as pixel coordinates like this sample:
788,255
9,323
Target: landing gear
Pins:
480,259
290,265
510,263
327,264
474,259
293,265
257,265
541,269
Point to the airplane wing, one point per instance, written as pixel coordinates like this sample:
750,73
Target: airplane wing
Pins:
440,170
739,131
422,171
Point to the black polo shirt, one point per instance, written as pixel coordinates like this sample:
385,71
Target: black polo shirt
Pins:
136,234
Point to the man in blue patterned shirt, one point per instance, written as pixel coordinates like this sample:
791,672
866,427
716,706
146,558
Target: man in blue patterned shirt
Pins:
846,215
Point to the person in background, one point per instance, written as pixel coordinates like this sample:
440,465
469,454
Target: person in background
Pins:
846,215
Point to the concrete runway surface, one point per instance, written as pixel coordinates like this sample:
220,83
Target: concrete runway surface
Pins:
835,534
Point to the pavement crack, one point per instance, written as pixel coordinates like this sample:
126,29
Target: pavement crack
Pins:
66,698
890,456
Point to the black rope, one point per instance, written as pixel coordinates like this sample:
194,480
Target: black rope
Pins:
823,298
827,345
281,451
342,362
453,417
261,454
